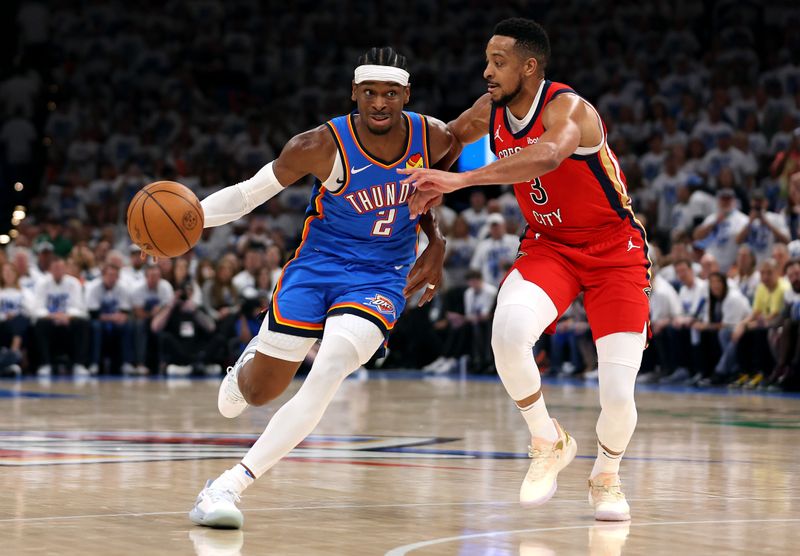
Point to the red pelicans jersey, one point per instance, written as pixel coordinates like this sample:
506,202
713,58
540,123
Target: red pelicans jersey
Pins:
578,201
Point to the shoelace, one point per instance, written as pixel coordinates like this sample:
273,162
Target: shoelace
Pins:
231,388
218,495
610,491
541,458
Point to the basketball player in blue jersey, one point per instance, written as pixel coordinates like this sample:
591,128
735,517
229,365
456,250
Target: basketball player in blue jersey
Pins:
347,280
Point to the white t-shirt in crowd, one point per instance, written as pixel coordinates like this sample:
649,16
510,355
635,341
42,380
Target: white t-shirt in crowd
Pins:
721,242
480,302
107,300
493,257
63,297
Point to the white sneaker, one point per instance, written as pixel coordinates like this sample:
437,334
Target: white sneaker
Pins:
540,483
179,370
94,368
80,370
434,365
128,369
14,369
44,370
608,500
230,400
447,366
216,508
212,370
141,370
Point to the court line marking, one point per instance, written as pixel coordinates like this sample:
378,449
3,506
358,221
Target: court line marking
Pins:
405,549
406,505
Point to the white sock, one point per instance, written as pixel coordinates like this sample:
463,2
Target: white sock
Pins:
539,422
619,356
605,462
237,479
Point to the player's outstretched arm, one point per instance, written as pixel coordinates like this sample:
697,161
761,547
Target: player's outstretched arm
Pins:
310,152
470,126
561,119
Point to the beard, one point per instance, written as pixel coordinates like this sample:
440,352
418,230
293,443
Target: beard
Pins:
380,130
506,99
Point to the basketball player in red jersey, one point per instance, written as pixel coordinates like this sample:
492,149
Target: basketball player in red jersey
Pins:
581,237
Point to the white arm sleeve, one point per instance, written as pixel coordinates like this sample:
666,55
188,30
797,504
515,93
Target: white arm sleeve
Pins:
231,203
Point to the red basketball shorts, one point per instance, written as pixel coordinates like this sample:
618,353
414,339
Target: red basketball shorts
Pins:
613,275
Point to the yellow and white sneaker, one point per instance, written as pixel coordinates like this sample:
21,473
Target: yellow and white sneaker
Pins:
548,460
605,495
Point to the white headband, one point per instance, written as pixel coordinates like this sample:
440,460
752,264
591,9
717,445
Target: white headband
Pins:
370,72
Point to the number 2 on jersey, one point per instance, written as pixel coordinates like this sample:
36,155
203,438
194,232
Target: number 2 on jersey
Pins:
383,226
538,195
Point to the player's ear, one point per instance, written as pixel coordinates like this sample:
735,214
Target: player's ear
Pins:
353,95
406,94
530,67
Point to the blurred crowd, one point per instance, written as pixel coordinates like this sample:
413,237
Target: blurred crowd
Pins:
701,101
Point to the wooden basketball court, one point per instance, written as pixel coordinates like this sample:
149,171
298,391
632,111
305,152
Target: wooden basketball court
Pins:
398,466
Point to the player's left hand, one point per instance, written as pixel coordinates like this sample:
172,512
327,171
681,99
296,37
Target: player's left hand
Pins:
420,202
428,179
427,270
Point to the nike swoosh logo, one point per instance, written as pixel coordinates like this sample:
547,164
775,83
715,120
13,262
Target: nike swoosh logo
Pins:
353,171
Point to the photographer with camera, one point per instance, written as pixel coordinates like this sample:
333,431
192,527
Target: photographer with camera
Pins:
764,227
187,337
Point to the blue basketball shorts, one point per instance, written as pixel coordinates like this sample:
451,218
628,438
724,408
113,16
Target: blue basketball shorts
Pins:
315,285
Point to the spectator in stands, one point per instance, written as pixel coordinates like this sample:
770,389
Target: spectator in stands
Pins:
763,229
752,333
495,254
108,303
253,259
479,302
459,252
21,265
61,323
745,274
727,309
665,308
447,314
787,162
571,327
781,256
786,374
181,274
15,310
147,299
693,296
220,296
664,190
791,212
718,232
187,338
132,274
477,213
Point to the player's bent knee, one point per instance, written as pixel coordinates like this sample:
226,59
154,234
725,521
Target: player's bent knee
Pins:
515,330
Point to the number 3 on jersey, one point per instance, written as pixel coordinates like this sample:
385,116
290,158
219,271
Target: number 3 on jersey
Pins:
383,225
538,195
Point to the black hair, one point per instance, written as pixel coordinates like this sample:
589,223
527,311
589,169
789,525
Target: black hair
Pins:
473,275
383,56
714,302
530,37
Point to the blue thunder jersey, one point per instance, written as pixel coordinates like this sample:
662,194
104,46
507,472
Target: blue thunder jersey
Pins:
367,219
358,241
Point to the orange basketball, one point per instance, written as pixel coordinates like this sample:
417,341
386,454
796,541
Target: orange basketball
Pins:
165,219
